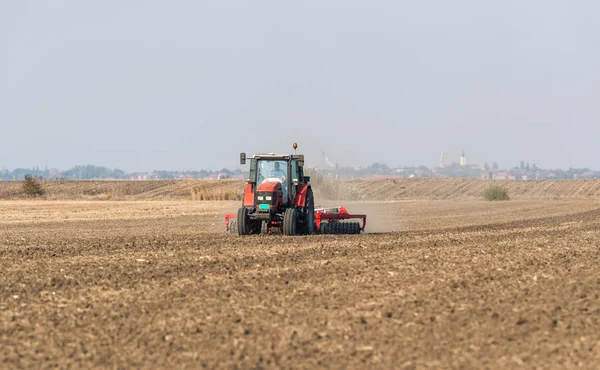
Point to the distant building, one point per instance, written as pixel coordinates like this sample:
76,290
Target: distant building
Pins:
586,175
463,159
442,160
503,176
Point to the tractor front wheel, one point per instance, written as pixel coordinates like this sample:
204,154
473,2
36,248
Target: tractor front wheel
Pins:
243,222
290,219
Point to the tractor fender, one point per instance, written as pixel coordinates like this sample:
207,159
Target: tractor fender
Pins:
248,196
301,195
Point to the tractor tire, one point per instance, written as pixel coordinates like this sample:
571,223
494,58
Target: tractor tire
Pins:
309,213
324,227
290,221
243,221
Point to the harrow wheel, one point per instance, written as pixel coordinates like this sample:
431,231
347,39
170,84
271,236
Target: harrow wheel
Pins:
340,228
232,226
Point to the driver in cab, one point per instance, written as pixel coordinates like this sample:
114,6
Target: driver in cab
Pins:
278,172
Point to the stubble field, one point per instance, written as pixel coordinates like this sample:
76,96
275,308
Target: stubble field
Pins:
436,284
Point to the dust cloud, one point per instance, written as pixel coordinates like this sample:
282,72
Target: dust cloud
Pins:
380,217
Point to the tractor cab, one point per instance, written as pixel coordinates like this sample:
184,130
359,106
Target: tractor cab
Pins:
268,170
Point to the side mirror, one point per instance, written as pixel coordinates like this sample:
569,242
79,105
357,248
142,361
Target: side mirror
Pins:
242,158
301,160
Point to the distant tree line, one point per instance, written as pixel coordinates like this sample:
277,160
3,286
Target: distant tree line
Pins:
455,170
522,171
91,172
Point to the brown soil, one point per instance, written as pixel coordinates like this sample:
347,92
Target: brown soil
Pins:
158,284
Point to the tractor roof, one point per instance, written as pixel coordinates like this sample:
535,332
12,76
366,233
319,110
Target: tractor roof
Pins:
277,156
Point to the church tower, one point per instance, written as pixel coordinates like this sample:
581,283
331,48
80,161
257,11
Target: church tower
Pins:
442,160
463,159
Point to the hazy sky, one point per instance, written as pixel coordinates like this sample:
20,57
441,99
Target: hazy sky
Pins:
143,85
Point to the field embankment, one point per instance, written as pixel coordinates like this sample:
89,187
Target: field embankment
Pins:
368,189
442,189
131,190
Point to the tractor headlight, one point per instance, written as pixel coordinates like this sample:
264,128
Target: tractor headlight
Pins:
268,197
260,197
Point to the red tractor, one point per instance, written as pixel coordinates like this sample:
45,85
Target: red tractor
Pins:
279,196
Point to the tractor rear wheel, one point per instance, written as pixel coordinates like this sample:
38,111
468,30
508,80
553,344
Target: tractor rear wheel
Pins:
290,219
309,217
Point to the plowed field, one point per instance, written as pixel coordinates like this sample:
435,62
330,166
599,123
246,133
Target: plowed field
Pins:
438,284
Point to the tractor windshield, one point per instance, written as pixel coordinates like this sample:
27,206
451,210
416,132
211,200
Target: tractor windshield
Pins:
269,169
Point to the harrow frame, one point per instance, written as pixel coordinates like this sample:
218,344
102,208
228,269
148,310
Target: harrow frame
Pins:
323,216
